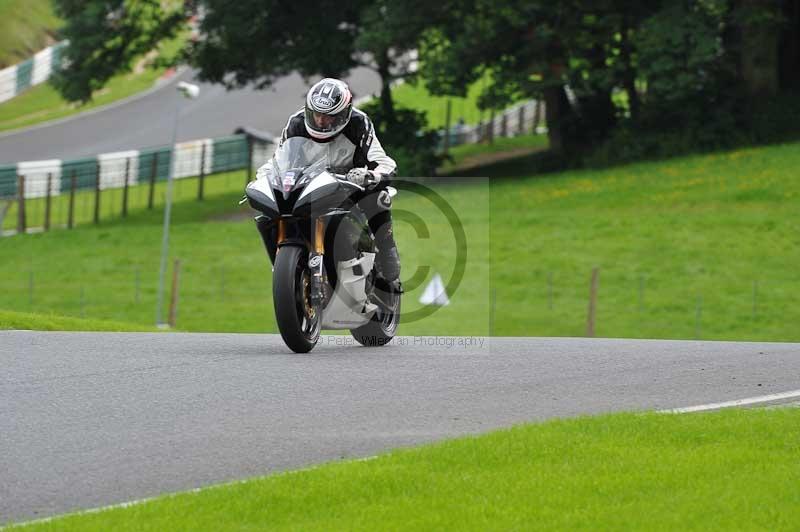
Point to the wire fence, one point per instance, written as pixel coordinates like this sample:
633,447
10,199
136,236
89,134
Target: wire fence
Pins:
226,295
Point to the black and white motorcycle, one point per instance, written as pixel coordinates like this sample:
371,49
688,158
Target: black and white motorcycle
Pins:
324,271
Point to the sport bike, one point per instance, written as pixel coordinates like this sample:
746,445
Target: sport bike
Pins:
324,273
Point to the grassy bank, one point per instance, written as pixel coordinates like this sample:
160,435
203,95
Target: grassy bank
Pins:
26,26
720,471
43,103
700,247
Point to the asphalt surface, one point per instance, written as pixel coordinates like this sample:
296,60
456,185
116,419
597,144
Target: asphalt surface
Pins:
92,419
147,120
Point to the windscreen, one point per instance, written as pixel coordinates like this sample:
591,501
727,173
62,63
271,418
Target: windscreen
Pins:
300,152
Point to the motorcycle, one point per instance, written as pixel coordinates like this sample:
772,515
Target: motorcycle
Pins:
325,275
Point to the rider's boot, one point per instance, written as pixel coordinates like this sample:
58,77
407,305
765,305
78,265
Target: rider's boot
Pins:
388,258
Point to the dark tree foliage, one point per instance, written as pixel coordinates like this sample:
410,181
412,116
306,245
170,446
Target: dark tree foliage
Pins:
606,69
106,36
257,41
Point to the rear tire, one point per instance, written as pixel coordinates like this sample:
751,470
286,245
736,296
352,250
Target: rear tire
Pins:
380,330
298,322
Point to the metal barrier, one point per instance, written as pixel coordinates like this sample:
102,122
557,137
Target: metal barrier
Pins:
17,78
41,183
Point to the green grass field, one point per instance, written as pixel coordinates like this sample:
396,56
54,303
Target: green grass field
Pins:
435,107
26,26
225,273
730,470
700,247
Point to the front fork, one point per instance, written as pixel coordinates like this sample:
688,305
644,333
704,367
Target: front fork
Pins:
315,262
314,258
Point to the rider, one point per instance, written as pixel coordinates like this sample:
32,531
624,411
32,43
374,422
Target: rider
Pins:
329,117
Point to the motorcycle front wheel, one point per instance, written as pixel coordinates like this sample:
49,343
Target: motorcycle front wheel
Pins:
298,321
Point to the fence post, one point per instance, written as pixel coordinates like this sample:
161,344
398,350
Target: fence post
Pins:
521,120
97,195
641,293
491,127
249,170
202,173
71,215
504,125
447,127
173,304
47,202
592,304
125,189
152,181
537,116
21,205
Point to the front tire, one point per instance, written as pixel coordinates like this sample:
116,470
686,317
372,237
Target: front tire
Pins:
298,322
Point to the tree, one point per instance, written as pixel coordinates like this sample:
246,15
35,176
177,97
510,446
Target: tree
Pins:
536,49
245,42
106,36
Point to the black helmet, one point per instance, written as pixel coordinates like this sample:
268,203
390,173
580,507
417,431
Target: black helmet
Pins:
329,104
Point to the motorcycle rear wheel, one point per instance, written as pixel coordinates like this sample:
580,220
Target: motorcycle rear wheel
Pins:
298,322
380,330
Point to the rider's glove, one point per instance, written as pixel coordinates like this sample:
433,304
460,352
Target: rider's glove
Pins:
361,177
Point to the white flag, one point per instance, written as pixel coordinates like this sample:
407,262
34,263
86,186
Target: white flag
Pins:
434,293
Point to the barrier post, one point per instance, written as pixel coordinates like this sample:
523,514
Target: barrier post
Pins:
152,181
125,189
97,195
202,173
72,186
47,202
21,204
249,171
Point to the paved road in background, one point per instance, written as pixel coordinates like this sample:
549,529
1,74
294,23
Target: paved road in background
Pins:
91,419
147,121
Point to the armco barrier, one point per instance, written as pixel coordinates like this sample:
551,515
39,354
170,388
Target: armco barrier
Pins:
17,78
124,169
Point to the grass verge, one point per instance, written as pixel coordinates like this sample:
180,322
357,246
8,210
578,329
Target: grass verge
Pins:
734,469
49,322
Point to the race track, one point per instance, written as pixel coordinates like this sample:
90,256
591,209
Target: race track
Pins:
147,120
92,419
